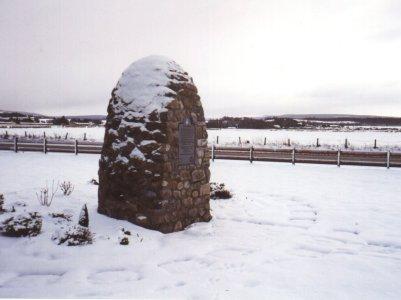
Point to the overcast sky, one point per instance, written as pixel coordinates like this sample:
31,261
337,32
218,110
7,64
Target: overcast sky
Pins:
246,57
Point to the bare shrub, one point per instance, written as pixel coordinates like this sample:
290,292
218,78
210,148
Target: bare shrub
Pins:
26,224
219,191
67,188
45,197
74,236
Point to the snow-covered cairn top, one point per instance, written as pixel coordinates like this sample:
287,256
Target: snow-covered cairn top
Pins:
140,178
145,86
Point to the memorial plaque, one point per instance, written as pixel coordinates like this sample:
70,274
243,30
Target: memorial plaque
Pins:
186,143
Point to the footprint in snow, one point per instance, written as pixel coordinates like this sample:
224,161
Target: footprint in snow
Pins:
347,230
302,212
108,276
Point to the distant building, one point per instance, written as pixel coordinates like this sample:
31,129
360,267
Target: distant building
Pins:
45,121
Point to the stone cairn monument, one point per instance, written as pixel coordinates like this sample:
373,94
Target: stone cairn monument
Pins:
154,166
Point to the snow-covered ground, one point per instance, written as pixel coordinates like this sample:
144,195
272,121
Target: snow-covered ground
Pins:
361,139
303,231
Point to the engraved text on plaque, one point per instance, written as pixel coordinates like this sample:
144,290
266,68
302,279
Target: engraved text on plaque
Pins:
186,143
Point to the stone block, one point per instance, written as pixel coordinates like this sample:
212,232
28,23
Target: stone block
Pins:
205,189
197,175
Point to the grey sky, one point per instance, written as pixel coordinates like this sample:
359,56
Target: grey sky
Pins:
246,57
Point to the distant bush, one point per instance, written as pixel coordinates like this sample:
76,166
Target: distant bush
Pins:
287,122
74,236
26,224
15,120
67,188
219,191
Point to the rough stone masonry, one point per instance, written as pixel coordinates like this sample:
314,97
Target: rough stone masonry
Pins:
154,166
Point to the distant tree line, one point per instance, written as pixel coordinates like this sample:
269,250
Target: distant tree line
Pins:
61,121
19,119
253,123
367,121
64,121
280,122
84,120
7,114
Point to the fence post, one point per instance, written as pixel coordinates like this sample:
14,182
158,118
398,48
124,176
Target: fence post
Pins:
239,140
317,143
85,136
44,145
76,147
25,134
44,134
212,152
251,154
15,144
288,143
375,145
217,140
388,159
346,143
339,158
264,141
293,156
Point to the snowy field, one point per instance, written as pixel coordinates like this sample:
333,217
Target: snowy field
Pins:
307,138
303,231
386,140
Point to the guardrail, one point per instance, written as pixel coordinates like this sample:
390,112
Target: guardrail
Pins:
46,146
335,157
